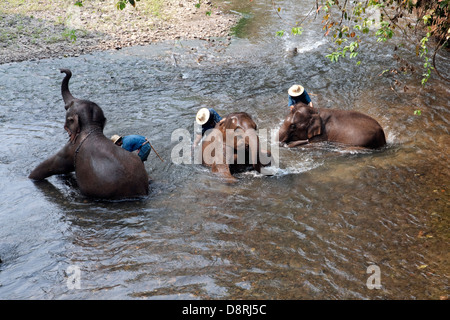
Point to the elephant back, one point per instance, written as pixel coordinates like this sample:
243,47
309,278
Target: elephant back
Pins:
353,128
105,170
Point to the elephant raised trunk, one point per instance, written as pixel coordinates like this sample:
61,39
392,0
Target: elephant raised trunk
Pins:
67,96
103,170
283,134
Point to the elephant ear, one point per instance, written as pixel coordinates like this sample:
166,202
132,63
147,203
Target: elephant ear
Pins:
233,122
73,127
70,104
315,126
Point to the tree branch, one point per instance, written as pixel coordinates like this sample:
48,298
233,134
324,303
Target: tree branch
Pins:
343,11
439,46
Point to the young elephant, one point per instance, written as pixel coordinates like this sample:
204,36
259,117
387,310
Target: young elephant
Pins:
233,146
305,124
103,170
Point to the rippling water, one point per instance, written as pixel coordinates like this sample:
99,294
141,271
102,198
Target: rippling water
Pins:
308,232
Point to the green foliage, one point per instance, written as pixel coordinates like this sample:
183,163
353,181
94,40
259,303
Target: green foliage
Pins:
348,21
70,34
199,4
423,52
239,29
121,4
384,32
342,51
297,31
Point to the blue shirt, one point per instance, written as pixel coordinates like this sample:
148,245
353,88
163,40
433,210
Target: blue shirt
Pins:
132,142
214,118
304,97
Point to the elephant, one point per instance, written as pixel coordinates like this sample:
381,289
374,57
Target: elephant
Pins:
102,169
305,124
233,146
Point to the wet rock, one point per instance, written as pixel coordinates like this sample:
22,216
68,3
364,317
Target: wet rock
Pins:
292,52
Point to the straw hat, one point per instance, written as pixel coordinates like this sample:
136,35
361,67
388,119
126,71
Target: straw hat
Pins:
115,138
202,116
296,90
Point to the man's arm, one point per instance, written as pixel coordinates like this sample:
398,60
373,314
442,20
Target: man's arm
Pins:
308,99
198,137
291,102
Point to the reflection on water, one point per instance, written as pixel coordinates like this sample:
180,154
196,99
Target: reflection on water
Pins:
308,232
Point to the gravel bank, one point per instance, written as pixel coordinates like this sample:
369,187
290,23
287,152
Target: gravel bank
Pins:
38,30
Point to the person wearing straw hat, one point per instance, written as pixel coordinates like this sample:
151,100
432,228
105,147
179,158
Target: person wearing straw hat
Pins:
206,119
298,94
132,143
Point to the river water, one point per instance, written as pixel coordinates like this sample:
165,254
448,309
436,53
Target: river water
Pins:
327,223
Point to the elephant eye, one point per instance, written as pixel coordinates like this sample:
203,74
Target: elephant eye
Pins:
293,126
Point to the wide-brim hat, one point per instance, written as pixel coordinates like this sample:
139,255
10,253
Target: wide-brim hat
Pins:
202,116
296,90
115,138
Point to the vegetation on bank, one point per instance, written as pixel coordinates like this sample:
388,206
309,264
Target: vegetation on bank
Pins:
418,21
36,29
423,23
58,20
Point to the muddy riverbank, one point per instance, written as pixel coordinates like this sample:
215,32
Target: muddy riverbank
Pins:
36,30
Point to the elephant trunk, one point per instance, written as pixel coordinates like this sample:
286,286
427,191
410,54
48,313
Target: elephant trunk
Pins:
67,96
282,135
253,145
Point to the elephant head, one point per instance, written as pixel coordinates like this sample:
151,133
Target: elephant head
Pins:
80,114
241,140
233,146
302,123
241,134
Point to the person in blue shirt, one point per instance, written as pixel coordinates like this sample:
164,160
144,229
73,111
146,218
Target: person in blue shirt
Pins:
206,119
132,143
298,94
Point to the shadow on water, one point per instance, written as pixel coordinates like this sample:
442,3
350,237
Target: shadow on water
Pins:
308,232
